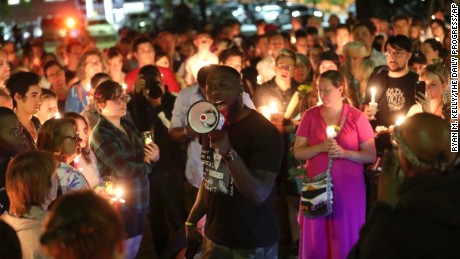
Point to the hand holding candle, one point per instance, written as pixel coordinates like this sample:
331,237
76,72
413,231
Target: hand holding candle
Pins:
373,93
148,137
330,132
117,199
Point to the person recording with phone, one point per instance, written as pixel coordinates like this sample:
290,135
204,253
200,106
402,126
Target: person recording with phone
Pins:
152,111
432,92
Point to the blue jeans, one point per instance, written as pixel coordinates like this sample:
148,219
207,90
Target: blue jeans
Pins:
212,250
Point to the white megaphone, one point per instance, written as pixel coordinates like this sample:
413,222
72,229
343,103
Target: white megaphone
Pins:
203,117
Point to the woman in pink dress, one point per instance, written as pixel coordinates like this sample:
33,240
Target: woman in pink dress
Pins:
333,236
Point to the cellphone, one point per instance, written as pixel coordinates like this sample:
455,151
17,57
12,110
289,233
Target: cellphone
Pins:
420,86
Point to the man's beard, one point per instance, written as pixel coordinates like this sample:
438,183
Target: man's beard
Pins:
233,111
397,68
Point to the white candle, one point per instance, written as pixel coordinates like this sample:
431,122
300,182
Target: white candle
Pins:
148,141
273,107
330,132
373,93
88,87
76,163
400,120
259,80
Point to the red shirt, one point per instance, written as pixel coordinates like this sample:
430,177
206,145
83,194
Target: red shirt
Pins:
168,78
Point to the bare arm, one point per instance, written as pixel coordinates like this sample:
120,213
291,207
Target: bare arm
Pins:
303,151
199,208
182,134
192,231
255,185
365,154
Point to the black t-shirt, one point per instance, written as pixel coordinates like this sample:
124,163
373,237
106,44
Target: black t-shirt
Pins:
270,92
232,220
394,96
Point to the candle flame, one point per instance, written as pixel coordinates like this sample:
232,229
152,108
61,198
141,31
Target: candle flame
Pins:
330,132
273,107
118,193
400,120
57,115
124,86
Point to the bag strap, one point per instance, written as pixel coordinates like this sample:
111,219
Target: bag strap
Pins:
329,166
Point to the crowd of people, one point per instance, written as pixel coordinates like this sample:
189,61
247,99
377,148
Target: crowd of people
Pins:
80,174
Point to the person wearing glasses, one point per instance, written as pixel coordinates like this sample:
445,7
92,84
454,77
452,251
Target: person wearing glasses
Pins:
90,63
394,86
121,153
60,137
272,99
418,203
276,93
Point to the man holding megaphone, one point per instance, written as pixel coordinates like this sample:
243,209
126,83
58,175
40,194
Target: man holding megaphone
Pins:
241,162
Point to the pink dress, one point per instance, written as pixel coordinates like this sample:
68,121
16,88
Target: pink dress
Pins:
334,236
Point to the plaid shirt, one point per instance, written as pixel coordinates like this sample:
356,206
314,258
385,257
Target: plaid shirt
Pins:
122,157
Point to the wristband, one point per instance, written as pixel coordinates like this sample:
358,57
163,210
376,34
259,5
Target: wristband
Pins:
190,224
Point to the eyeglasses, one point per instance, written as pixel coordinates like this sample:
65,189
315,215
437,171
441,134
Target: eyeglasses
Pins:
123,98
76,137
285,67
395,54
94,63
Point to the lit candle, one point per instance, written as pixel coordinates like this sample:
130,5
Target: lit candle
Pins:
330,132
273,107
117,199
57,115
259,80
88,87
124,87
373,93
148,140
400,120
76,163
